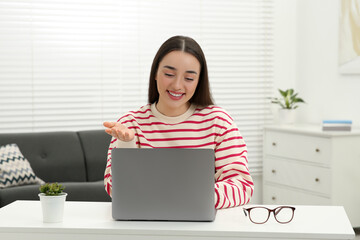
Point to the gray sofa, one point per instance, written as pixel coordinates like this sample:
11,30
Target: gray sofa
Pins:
75,159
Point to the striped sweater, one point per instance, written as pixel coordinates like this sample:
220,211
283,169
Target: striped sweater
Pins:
209,127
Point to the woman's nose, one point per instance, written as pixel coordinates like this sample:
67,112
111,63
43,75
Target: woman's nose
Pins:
177,83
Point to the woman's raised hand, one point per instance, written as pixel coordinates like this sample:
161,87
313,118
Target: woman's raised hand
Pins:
119,131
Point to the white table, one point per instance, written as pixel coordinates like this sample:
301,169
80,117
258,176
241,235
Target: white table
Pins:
92,220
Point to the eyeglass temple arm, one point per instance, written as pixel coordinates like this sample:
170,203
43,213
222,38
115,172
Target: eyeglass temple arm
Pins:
279,209
244,209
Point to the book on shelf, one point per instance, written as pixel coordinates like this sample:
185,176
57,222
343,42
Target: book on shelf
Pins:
336,125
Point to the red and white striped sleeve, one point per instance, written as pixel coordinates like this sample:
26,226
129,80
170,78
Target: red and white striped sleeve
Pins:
234,185
115,143
107,175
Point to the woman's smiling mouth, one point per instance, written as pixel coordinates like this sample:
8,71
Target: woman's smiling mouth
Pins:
175,95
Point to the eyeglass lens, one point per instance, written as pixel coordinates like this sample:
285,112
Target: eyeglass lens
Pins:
261,215
284,214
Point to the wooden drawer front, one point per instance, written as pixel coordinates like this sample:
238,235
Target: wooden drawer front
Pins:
277,195
297,146
294,174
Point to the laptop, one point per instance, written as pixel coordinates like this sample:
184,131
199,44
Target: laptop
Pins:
163,184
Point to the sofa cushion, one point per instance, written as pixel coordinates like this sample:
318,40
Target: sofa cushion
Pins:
77,191
24,192
54,156
95,145
86,191
14,168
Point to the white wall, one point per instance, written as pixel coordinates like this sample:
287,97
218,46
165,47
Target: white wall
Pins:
284,44
285,49
306,58
328,93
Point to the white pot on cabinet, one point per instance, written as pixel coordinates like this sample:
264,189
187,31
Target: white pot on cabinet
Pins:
286,116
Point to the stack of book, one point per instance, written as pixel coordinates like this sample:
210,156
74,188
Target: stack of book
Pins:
336,125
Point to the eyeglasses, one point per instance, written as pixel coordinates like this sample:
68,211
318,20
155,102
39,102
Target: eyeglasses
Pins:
260,215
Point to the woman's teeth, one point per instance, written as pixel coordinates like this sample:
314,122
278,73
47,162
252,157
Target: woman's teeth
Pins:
175,95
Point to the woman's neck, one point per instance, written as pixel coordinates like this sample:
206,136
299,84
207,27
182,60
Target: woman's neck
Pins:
172,112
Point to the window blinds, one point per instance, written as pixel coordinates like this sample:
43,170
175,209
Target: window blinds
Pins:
72,64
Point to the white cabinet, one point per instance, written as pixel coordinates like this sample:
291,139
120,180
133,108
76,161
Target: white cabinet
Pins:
305,166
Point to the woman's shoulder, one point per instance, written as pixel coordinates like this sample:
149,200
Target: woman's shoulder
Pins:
214,111
142,112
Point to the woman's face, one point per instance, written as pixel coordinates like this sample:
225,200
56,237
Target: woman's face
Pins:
177,78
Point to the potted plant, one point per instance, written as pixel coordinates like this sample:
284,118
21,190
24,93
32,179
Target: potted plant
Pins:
288,103
52,200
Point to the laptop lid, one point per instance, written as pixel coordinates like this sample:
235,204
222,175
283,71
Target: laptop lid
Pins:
163,184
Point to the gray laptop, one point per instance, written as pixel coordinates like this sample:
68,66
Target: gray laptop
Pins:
166,184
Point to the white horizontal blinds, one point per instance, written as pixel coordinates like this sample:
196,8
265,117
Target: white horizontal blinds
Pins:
58,58
236,36
73,64
15,66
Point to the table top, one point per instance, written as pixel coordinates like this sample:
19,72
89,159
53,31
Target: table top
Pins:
24,218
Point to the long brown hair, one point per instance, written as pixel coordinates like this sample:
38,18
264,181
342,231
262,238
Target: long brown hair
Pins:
202,96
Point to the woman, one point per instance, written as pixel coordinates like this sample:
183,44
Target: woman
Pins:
181,114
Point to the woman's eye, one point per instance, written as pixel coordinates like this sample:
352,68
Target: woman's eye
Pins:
169,75
190,79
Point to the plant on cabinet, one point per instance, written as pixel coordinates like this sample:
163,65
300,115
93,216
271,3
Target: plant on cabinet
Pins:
288,103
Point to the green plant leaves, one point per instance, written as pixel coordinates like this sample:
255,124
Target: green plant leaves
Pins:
52,189
288,100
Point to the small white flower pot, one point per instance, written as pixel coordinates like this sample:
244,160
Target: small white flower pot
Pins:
52,207
286,116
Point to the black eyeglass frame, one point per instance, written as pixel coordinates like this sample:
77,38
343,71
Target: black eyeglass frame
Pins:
275,211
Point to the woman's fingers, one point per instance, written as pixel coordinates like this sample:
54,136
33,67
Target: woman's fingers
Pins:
109,124
119,131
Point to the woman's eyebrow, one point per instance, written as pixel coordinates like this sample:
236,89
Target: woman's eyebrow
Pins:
172,68
193,72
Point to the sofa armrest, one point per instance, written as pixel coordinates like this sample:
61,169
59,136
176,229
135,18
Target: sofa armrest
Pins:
95,144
